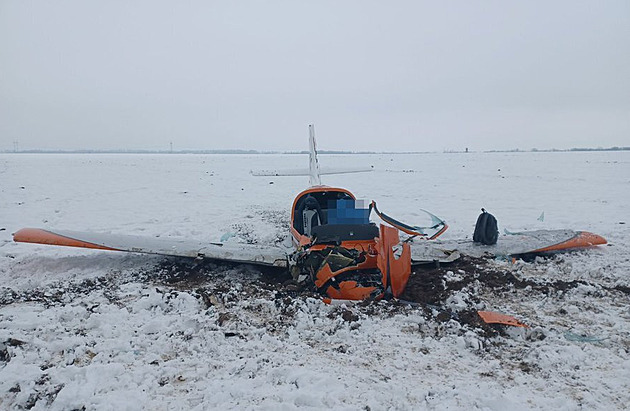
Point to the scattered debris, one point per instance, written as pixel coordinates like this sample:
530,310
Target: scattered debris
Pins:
239,304
570,336
491,317
227,236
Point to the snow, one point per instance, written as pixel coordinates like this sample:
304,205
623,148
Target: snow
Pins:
101,330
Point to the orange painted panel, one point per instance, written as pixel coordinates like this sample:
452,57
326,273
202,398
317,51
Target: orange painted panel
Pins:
583,239
491,317
397,271
349,290
39,236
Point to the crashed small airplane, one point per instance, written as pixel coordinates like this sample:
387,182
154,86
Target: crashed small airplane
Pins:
337,249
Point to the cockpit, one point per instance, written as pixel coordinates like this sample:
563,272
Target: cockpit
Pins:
332,216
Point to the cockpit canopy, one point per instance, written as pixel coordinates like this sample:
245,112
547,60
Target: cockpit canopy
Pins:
332,215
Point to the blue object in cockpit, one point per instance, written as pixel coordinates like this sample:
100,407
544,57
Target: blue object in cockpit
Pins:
348,211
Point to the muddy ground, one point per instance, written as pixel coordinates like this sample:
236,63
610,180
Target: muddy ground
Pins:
431,288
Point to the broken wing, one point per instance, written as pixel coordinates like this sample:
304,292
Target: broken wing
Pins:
240,253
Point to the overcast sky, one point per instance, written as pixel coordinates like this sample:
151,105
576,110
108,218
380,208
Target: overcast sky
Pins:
371,75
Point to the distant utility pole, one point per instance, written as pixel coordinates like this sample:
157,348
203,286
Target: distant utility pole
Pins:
171,146
16,146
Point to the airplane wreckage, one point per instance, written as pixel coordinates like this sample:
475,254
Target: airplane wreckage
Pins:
337,249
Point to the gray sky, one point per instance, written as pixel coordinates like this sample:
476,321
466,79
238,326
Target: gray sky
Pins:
371,75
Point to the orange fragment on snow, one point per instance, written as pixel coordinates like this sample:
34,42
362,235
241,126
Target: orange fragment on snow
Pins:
491,317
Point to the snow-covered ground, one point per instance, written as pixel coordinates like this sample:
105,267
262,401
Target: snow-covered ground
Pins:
85,329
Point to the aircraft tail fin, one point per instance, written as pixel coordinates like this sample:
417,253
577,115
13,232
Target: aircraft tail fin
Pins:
314,172
314,178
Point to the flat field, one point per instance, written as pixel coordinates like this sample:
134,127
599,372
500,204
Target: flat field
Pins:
86,329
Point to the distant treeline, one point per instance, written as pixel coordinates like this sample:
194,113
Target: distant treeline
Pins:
554,150
198,152
139,152
516,150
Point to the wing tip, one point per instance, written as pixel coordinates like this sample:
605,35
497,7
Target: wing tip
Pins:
582,239
41,236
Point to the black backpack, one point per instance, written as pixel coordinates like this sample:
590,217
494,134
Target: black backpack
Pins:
486,229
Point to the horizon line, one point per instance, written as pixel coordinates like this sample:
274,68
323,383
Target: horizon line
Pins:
347,152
